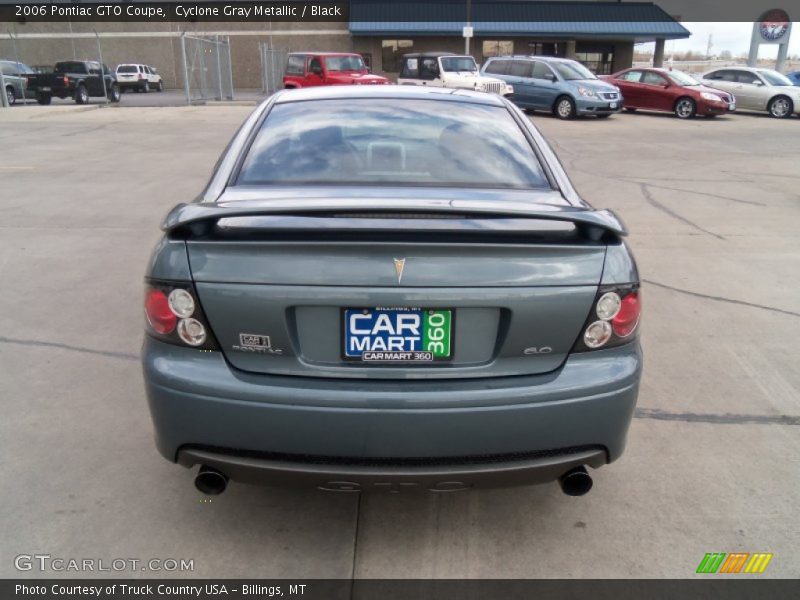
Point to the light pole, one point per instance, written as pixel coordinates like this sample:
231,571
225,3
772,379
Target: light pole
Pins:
468,27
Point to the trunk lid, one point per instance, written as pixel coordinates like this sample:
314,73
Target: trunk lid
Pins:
276,287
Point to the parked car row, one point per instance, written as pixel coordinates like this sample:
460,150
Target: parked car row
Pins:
565,87
76,79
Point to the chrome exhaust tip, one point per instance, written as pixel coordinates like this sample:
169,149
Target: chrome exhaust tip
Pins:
575,482
210,481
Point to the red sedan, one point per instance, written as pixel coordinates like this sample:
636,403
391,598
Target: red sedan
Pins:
670,91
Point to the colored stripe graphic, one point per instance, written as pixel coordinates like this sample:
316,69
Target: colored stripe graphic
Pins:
721,562
758,562
711,562
734,562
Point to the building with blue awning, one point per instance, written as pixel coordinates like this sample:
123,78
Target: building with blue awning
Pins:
599,34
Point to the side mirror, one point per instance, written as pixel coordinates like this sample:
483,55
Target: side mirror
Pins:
552,77
758,82
666,86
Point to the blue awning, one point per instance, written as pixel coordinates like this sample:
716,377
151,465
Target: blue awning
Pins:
636,21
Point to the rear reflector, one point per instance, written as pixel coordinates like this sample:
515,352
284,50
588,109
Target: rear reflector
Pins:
626,320
158,312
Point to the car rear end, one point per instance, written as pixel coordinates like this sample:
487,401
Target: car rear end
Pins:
389,336
59,83
131,77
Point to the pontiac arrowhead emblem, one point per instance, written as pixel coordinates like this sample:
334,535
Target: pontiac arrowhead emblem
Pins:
399,265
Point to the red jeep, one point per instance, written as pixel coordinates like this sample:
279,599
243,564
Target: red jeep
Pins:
307,69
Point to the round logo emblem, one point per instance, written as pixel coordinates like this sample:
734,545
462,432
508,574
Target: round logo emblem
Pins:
774,25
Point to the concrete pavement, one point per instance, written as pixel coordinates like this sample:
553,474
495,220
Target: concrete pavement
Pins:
713,456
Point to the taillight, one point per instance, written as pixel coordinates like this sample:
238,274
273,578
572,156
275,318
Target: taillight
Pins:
66,80
173,315
141,76
157,310
624,324
613,320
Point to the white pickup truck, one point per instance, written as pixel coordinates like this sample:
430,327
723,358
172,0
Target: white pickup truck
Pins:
455,71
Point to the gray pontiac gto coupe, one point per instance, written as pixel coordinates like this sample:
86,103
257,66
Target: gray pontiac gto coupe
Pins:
391,288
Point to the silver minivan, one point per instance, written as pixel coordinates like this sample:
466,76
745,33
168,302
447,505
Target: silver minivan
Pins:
559,85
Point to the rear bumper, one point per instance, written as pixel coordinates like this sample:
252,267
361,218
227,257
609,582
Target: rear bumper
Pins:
318,432
342,477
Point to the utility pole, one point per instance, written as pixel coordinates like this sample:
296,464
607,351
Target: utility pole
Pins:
467,29
4,98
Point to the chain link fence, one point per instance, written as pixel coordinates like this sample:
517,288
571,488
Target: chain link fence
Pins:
207,68
273,63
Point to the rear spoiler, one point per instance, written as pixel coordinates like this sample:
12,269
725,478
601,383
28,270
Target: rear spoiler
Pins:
199,218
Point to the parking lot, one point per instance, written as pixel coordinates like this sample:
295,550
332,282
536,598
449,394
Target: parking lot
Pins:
714,449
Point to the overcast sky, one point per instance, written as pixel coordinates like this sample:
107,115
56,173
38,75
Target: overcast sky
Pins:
727,36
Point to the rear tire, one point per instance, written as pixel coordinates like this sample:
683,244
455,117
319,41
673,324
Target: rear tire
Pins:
780,107
146,87
81,95
44,99
564,108
114,95
604,116
11,96
630,109
685,108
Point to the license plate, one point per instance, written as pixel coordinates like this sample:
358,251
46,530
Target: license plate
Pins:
45,89
612,105
387,335
732,106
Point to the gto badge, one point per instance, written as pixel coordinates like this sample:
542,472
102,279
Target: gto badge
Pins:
535,350
253,342
399,265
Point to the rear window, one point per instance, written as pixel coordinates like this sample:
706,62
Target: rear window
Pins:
127,69
392,141
632,76
498,67
521,68
70,67
410,68
295,65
